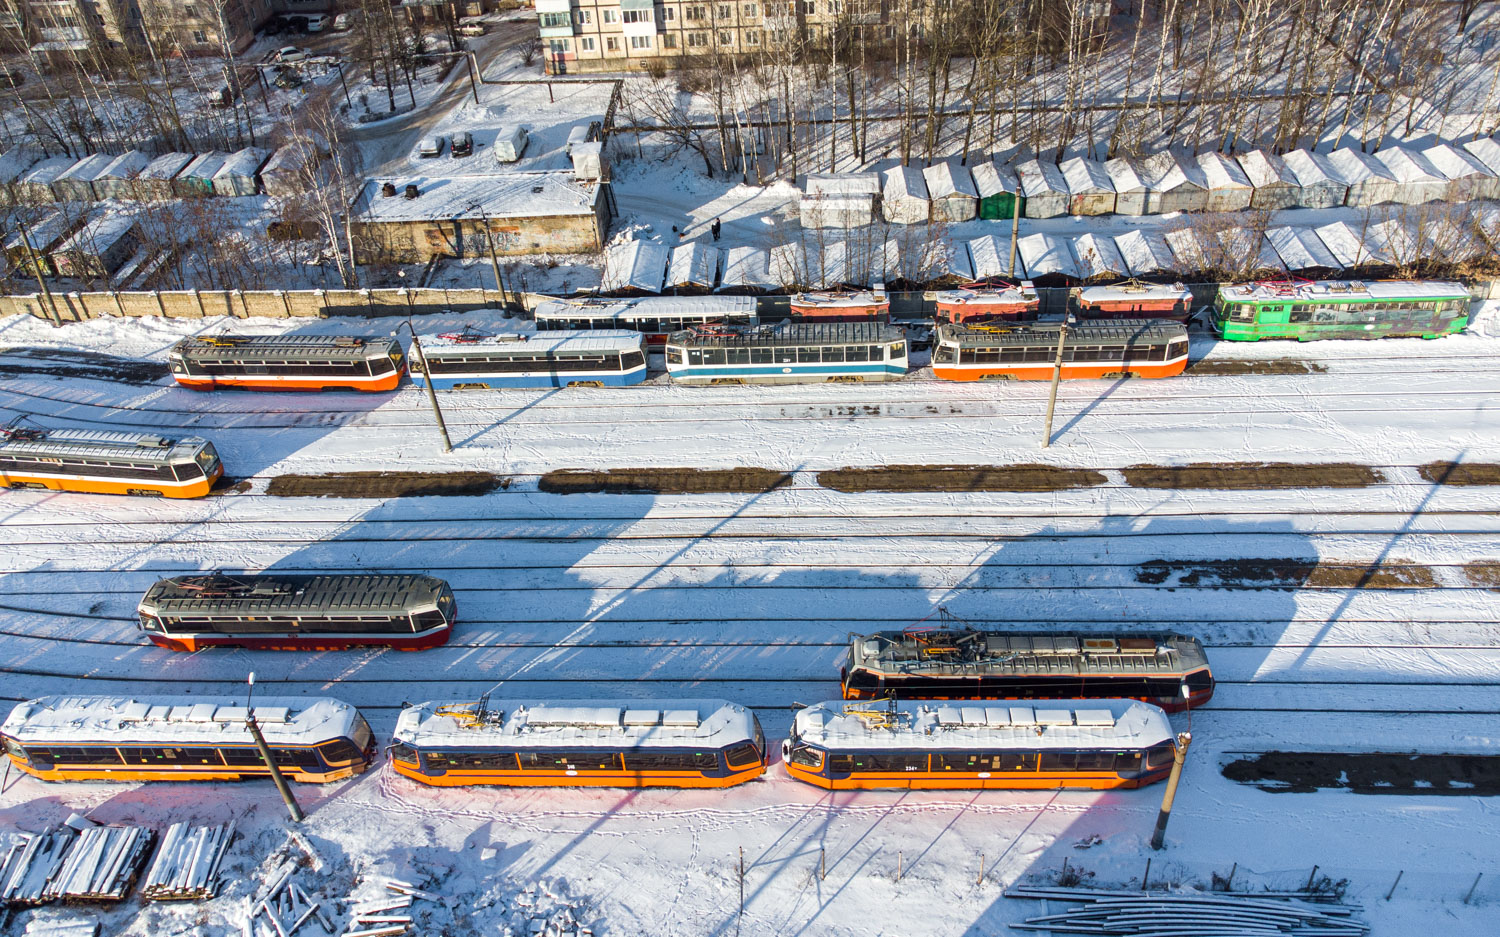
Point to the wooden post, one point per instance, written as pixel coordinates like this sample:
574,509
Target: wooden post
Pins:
1466,897
1310,876
1158,838
1062,334
898,865
822,859
1146,876
980,880
1399,873
1015,226
742,881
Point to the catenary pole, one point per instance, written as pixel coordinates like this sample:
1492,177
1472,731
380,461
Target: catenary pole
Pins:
1158,838
1015,227
1062,334
36,270
282,787
421,362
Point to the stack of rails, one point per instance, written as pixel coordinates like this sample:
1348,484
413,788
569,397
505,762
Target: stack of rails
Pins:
187,865
103,863
1125,914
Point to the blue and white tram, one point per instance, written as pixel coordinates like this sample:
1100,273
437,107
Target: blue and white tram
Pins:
791,353
473,361
654,316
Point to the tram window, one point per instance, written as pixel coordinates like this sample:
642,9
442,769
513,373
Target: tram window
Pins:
1157,353
786,355
943,355
304,758
695,356
1177,349
246,757
1015,353
738,355
14,749
1243,312
400,751
674,356
740,755
337,751
634,359
671,761
483,760
1160,755
1059,761
714,356
857,353
1037,353
1127,761
833,354
877,761
807,355
188,471
1199,680
430,619
898,351
434,761
984,761
382,365
809,757
1301,312
762,355
77,755
572,761
1096,761
648,325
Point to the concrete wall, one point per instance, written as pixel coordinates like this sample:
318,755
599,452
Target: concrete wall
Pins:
276,304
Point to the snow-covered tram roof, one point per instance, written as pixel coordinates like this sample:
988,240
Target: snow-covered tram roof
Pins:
1338,290
1106,724
663,307
841,299
788,333
147,448
619,724
189,720
281,347
594,341
1021,293
220,594
967,653
1134,292
1087,332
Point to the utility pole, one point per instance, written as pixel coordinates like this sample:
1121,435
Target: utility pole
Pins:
1062,334
1159,837
421,361
1015,226
489,239
265,754
37,272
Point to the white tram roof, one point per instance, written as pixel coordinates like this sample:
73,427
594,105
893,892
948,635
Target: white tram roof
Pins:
1131,290
1021,293
663,307
840,299
450,345
189,720
1040,724
646,723
105,444
332,347
1333,290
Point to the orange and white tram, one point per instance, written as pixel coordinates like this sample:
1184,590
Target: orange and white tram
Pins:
1166,670
280,612
1132,299
842,306
1027,351
107,462
582,743
1098,744
986,302
189,738
287,362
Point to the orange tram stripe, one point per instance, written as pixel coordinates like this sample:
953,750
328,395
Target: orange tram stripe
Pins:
1069,371
182,773
461,778
924,780
383,382
170,489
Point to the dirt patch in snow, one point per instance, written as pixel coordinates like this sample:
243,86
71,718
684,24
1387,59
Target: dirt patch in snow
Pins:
959,478
663,481
1246,476
1231,367
1368,773
385,484
1483,573
1285,574
1461,473
91,365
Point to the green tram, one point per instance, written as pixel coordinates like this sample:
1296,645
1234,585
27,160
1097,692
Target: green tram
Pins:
1312,309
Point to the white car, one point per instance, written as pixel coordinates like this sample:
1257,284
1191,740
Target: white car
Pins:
429,147
291,54
317,22
471,29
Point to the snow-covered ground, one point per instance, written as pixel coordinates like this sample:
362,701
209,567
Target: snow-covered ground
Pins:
751,597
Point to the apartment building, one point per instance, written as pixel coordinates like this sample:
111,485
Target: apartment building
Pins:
177,26
611,35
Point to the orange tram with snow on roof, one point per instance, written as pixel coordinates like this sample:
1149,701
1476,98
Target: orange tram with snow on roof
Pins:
287,362
103,462
1097,744
595,743
1026,351
190,738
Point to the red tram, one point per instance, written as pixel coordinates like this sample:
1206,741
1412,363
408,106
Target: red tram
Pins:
842,306
989,301
1132,299
287,362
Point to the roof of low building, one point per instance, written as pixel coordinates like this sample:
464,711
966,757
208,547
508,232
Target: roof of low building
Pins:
467,198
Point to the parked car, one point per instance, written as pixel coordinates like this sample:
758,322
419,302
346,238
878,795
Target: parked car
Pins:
430,147
296,24
471,29
345,21
317,22
291,54
463,144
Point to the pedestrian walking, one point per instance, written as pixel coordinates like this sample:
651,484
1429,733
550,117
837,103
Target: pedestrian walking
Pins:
715,228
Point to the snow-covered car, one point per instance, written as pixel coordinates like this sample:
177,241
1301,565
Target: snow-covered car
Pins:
291,54
428,147
463,144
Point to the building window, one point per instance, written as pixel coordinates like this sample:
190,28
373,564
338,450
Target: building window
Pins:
725,11
611,44
669,14
200,37
669,41
810,7
637,16
752,37
726,38
560,46
190,12
697,40
550,20
586,43
640,42
694,13
610,16
752,10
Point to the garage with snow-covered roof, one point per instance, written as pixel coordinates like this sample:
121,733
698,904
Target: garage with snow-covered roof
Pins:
1049,259
1045,189
1369,182
118,178
1350,246
76,183
1190,253
998,189
904,198
1098,258
747,269
1301,251
693,267
1318,182
990,257
1089,190
1417,180
1468,177
1275,185
952,191
1130,188
1172,184
1146,253
1487,151
1229,189
839,200
634,267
